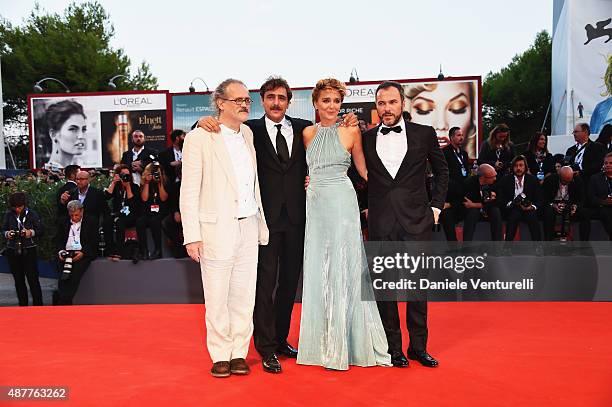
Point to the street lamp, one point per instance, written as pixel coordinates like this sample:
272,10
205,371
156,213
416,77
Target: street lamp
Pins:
440,75
192,88
111,81
39,89
354,78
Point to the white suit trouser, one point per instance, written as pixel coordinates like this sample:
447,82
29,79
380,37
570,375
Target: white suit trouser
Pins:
229,295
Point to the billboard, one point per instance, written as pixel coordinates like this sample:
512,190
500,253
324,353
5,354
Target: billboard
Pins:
440,104
581,65
187,108
93,129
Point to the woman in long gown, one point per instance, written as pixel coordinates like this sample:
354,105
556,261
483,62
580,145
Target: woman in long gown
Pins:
338,328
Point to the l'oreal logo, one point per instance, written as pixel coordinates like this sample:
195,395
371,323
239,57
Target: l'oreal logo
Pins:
132,101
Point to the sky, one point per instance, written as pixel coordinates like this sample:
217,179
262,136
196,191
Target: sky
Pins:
304,41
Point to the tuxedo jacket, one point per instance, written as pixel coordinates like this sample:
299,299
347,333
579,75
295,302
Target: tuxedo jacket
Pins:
592,160
531,189
575,189
144,157
281,185
165,158
404,199
455,175
89,237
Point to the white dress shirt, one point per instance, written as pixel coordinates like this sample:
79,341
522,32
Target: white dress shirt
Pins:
74,237
178,155
243,170
392,147
83,195
136,177
580,154
286,131
519,185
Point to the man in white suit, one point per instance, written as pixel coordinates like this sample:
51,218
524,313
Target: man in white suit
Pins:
223,223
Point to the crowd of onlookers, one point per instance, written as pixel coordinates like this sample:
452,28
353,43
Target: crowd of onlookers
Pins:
143,194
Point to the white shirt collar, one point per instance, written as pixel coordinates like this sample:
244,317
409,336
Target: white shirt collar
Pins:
401,123
226,131
270,123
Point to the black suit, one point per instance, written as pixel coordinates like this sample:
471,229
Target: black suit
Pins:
547,165
600,187
144,157
62,212
532,191
592,160
284,202
165,158
490,211
89,242
576,196
458,171
94,205
399,209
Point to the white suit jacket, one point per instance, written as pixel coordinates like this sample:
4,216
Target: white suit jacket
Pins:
209,193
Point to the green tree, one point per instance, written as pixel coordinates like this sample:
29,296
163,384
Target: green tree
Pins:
519,94
73,47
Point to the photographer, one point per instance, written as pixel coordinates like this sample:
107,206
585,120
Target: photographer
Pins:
66,191
139,156
171,158
125,207
172,224
77,246
498,151
586,156
458,170
564,201
600,194
21,224
153,196
521,197
480,201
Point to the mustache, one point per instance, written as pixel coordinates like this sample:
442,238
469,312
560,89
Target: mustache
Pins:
243,110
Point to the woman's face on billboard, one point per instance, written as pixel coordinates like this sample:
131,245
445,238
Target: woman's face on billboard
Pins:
446,106
71,136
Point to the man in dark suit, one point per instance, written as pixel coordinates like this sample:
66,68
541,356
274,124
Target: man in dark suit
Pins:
458,171
396,153
564,196
63,193
586,156
171,158
600,194
520,197
480,201
138,156
77,235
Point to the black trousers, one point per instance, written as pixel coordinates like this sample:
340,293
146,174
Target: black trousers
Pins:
279,266
605,215
472,216
121,223
416,311
516,215
24,267
174,232
152,221
67,288
449,218
581,215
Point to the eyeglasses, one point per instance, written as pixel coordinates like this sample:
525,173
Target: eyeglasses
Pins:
577,131
240,101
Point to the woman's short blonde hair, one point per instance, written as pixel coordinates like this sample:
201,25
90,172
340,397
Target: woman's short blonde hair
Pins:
328,84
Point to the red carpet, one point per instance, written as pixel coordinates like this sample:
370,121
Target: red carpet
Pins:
491,354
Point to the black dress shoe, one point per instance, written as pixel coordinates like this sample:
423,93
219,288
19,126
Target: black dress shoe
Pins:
155,255
287,350
398,359
423,358
271,364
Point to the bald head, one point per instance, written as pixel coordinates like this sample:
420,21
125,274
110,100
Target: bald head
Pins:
82,180
566,174
486,174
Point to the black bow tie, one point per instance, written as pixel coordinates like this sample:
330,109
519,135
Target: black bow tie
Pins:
387,130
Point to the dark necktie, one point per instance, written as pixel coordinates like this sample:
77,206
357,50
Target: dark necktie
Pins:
387,130
281,146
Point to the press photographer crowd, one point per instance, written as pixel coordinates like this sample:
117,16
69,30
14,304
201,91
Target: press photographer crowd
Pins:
546,192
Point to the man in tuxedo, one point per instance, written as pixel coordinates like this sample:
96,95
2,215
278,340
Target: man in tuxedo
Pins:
396,153
171,158
139,156
480,201
520,196
457,160
585,157
78,236
63,193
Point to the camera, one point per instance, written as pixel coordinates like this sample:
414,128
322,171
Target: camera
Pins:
125,177
155,171
19,235
521,201
12,234
487,197
67,269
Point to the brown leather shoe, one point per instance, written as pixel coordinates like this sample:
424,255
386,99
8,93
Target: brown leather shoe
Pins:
239,366
220,369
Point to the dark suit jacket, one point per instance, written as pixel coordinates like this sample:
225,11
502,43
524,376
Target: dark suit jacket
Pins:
89,237
548,165
165,158
531,189
592,161
598,189
61,208
144,156
576,190
471,188
455,175
281,185
487,155
94,205
404,199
